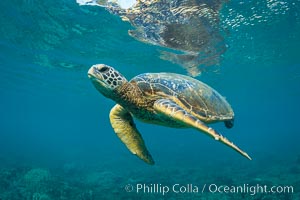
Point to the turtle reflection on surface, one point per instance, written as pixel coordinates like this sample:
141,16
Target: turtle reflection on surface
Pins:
189,26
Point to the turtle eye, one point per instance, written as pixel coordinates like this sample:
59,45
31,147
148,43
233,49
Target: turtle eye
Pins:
103,69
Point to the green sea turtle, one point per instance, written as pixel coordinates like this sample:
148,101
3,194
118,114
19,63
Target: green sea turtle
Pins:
166,99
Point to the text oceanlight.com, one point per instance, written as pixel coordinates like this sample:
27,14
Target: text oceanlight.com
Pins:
210,188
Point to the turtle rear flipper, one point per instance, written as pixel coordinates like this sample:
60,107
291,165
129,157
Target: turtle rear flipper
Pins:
123,125
171,109
229,123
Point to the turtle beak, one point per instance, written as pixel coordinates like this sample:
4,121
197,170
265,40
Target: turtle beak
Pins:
95,76
91,73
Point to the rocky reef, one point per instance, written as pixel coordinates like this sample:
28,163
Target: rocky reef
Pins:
183,182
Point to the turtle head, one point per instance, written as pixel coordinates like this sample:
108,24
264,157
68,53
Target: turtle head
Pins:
106,79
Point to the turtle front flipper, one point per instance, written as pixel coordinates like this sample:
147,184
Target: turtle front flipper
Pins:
171,109
123,125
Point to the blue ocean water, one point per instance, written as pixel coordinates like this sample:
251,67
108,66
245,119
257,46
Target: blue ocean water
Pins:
56,141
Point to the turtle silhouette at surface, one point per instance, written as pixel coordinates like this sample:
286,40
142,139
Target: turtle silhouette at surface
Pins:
190,27
166,99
